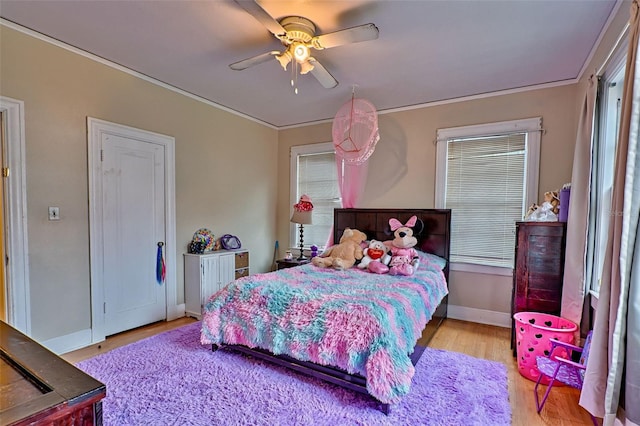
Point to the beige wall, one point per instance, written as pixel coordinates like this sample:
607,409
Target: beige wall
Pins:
225,169
402,168
232,175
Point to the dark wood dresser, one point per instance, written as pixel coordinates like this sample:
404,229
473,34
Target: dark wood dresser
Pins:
39,387
539,269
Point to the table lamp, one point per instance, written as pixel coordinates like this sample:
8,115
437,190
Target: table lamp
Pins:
302,216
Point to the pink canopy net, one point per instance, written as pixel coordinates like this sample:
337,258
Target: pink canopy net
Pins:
355,131
355,135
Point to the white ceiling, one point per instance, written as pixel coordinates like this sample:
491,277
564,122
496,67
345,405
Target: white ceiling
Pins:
427,51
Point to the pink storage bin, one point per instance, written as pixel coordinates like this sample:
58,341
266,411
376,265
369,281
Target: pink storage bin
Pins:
533,331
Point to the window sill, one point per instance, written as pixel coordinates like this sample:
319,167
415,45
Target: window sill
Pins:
481,269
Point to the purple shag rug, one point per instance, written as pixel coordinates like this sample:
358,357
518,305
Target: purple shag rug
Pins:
171,379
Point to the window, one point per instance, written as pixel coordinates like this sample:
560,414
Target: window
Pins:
313,172
604,160
488,176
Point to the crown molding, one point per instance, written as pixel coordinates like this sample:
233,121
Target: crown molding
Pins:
103,61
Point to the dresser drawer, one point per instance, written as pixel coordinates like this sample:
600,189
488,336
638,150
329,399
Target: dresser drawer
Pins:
242,273
242,260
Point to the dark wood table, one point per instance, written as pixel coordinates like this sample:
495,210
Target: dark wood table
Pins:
39,387
290,263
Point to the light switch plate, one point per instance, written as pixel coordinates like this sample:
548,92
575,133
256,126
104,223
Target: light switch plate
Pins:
54,213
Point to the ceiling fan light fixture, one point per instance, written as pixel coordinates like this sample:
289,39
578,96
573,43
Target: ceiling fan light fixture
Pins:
300,52
305,67
298,35
284,58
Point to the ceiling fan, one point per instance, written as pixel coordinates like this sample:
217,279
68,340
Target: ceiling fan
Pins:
298,35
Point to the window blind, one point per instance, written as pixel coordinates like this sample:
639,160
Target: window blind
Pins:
318,178
485,184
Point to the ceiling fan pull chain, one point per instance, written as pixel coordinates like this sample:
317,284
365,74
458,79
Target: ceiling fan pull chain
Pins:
293,73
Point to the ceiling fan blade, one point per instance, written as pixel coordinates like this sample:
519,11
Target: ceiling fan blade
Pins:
255,60
350,35
255,10
322,75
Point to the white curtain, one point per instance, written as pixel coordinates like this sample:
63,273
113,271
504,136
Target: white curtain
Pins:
615,347
575,285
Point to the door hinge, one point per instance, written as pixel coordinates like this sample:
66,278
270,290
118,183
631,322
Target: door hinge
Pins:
101,155
5,172
104,307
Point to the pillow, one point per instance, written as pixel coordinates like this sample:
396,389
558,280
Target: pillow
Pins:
431,261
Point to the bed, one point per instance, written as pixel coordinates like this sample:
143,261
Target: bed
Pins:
352,328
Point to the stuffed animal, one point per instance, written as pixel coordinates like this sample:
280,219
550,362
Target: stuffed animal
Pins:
344,254
547,211
532,208
543,213
376,252
552,198
404,257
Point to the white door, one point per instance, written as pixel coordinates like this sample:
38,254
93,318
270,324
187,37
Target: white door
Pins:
18,303
133,222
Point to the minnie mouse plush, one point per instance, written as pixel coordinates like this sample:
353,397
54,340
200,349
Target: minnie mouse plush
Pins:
404,258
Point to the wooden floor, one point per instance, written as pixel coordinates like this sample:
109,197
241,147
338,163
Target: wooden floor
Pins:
478,340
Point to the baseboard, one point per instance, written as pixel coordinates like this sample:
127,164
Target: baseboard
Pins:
70,342
481,316
80,339
621,418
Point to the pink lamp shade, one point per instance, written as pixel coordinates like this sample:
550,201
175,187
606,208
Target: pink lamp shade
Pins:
302,211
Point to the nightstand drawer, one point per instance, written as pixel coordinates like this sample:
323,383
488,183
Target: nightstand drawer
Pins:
242,260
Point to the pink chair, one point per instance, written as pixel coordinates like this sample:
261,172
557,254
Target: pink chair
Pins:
563,370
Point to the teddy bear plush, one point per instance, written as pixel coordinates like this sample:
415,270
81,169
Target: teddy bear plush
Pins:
344,254
547,211
375,252
552,198
404,257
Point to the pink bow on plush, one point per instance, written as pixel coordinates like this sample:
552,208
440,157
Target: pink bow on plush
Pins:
395,223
